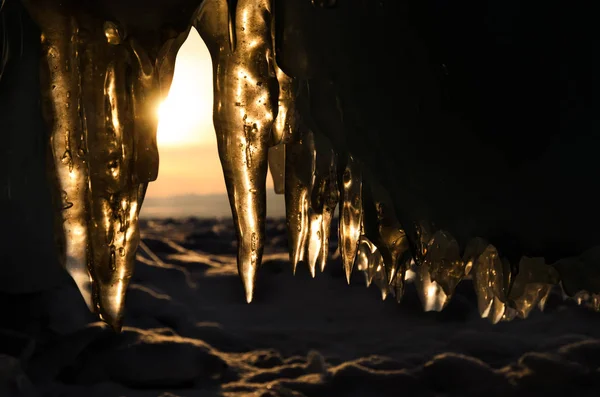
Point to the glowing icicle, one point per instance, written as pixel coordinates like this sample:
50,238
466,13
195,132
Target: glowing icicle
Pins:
245,106
350,214
300,165
431,294
62,89
445,264
489,282
100,90
115,198
532,285
315,240
370,262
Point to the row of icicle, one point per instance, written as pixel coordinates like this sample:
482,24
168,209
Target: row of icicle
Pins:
101,91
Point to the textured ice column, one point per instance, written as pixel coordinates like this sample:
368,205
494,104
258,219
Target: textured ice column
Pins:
115,200
245,105
350,214
101,90
61,89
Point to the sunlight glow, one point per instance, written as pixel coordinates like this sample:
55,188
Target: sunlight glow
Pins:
185,116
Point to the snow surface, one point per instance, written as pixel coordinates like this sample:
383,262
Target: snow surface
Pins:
188,332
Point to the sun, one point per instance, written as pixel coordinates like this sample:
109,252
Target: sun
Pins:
185,116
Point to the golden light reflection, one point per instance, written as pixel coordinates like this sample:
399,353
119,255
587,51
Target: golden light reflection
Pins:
185,116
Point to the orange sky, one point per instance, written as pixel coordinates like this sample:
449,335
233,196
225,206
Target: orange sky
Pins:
189,162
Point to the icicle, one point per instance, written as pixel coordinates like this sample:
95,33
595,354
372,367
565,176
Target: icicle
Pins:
101,94
323,199
445,264
488,280
532,284
245,106
299,171
380,277
332,196
431,294
390,238
350,214
115,197
62,89
361,262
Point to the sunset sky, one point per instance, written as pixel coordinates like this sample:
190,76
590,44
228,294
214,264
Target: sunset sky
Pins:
189,161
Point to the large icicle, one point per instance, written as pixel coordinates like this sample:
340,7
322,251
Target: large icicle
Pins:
101,90
62,108
245,105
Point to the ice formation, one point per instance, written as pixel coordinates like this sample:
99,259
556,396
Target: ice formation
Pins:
102,81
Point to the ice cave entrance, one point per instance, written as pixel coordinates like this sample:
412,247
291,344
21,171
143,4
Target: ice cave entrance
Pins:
190,181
